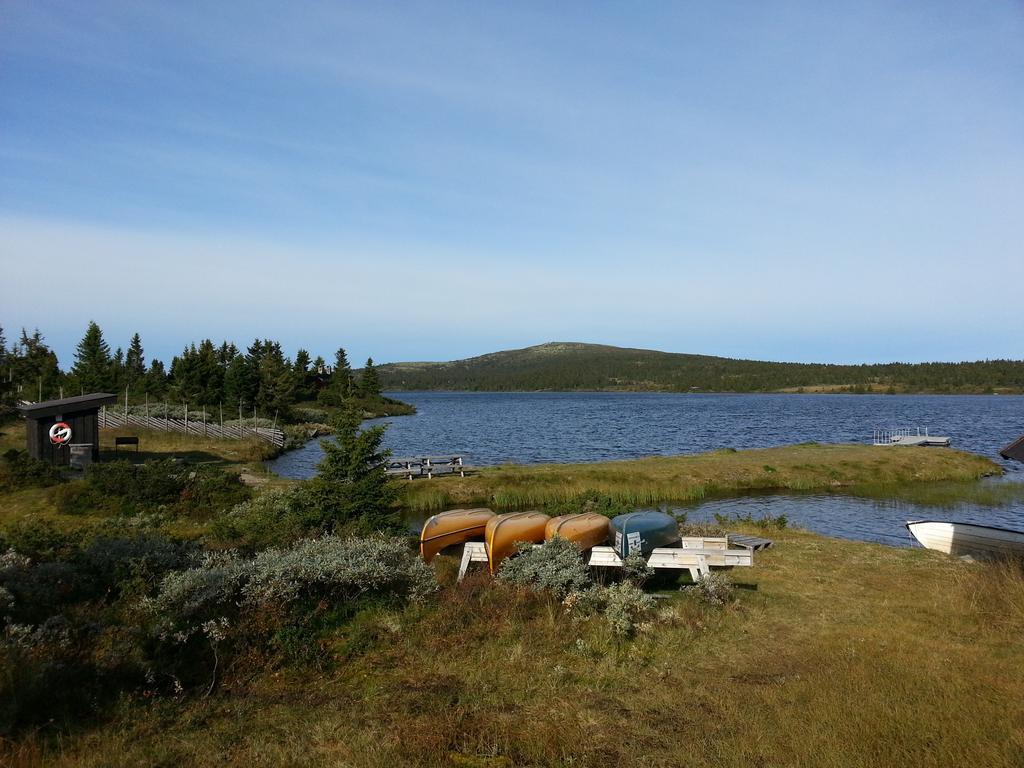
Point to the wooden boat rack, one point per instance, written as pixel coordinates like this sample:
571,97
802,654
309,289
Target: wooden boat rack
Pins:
696,554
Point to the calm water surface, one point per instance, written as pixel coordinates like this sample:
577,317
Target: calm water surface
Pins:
537,427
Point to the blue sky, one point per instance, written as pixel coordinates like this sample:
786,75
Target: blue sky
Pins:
798,181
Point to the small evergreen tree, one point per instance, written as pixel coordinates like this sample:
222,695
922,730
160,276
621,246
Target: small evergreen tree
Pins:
352,484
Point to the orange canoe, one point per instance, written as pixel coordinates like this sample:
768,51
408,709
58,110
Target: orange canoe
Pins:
584,530
452,527
504,531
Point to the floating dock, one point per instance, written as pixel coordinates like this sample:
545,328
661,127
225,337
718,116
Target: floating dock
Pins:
906,437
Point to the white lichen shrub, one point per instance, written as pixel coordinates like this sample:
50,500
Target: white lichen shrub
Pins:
714,589
339,567
556,567
626,606
635,569
332,569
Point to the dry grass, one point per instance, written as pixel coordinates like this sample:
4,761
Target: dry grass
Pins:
835,654
682,478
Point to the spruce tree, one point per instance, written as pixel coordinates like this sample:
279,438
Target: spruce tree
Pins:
135,361
369,383
91,370
156,379
302,375
341,376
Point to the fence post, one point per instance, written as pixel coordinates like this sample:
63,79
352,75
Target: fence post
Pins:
204,421
186,419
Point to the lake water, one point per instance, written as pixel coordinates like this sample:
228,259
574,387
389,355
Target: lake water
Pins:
492,428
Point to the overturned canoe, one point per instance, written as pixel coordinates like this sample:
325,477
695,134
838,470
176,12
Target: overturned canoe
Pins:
643,532
585,530
968,538
455,526
504,531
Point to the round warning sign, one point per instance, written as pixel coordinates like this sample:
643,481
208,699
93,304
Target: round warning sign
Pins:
60,433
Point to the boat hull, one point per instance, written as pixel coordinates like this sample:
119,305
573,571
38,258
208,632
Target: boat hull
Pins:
504,531
643,532
456,526
967,538
585,530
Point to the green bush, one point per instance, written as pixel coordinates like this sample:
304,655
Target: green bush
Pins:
123,488
19,470
275,516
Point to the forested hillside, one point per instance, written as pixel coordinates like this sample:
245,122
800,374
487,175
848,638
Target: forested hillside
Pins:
573,366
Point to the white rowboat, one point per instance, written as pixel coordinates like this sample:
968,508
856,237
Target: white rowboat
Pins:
968,538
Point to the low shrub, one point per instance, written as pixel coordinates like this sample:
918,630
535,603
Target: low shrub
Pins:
557,567
623,606
41,539
19,470
714,589
275,516
123,488
143,559
229,602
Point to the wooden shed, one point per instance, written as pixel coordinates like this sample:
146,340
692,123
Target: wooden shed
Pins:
56,428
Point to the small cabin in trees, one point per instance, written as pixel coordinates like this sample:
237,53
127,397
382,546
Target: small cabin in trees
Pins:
57,428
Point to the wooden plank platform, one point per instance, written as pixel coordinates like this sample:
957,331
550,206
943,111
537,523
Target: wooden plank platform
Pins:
753,543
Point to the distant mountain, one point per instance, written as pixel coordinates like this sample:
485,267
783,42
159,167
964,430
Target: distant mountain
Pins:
568,366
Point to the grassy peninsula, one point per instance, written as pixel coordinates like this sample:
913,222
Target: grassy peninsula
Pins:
805,467
572,366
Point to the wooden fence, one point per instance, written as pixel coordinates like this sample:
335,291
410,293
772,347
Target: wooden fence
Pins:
111,418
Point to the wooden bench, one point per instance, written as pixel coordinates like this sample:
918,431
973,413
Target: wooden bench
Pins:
128,440
698,562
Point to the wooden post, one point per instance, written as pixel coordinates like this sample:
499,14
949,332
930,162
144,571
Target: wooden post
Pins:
126,404
186,419
222,416
204,421
147,407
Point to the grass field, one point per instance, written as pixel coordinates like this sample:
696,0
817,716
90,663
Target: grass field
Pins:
652,480
834,654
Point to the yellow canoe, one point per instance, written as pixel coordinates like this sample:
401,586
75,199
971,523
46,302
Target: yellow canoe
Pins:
584,530
504,531
455,526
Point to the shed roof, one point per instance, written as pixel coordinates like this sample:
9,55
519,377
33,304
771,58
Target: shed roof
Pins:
67,405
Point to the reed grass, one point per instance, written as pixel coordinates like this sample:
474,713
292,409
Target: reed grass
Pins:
644,482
